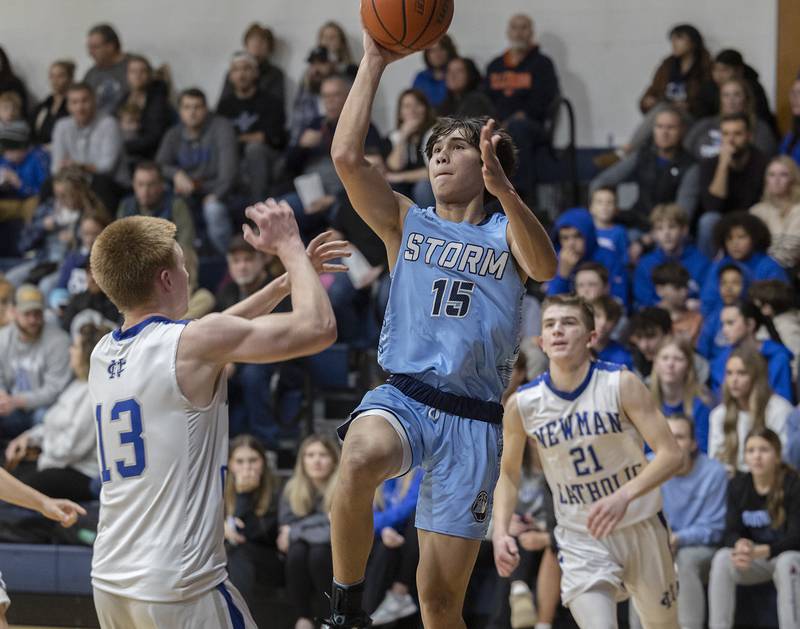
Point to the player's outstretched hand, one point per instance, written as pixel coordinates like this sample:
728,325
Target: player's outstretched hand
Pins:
494,177
605,514
276,226
323,249
64,512
506,554
374,50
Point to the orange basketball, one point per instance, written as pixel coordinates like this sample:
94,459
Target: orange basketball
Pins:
406,25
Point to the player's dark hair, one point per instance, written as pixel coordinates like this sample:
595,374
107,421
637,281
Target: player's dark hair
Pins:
572,301
671,273
471,130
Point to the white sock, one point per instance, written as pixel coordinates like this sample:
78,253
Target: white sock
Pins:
519,587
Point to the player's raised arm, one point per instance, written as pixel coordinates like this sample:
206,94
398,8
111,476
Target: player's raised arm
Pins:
506,553
529,242
322,250
370,194
639,405
309,328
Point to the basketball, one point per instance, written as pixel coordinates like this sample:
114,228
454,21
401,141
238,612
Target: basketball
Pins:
406,25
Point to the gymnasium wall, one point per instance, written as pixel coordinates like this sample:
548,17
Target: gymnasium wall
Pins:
605,50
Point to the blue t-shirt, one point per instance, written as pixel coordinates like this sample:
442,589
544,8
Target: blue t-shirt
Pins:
615,239
615,352
454,312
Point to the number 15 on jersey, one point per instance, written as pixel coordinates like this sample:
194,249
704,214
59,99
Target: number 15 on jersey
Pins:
123,413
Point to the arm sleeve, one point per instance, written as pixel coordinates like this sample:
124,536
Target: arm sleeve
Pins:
544,91
167,155
710,526
733,515
227,164
791,501
708,201
78,439
656,87
58,148
154,121
618,173
689,191
110,148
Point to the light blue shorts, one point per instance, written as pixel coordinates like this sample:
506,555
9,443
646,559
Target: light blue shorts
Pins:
460,457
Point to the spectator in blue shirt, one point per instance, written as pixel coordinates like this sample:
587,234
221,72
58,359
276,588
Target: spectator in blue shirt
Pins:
676,388
607,313
610,235
23,168
733,281
575,239
745,239
431,80
671,235
393,562
739,325
694,505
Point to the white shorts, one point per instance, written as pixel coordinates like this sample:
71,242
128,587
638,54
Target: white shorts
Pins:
635,561
221,608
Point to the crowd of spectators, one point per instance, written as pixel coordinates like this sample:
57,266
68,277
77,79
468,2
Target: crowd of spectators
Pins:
693,285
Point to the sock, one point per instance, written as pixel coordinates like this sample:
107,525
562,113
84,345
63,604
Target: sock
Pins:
346,599
519,587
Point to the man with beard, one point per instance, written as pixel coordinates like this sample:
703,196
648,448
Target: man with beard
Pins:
34,363
731,181
522,84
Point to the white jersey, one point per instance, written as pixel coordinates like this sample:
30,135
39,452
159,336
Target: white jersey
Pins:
587,445
162,461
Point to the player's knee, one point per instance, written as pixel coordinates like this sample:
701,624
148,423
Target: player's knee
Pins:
363,460
439,602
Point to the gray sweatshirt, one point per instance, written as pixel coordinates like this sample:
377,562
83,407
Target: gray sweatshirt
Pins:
67,434
109,84
99,143
212,158
36,371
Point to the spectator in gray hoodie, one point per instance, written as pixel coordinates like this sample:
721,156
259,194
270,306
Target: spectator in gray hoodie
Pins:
67,465
34,363
200,156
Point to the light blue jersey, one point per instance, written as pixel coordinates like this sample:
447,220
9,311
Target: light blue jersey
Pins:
453,319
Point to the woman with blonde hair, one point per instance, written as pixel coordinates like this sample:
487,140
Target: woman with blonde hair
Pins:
762,533
251,518
748,403
332,37
780,209
305,532
675,386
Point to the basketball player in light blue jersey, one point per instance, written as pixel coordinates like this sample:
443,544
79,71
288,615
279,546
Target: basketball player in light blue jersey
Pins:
449,340
589,421
159,391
